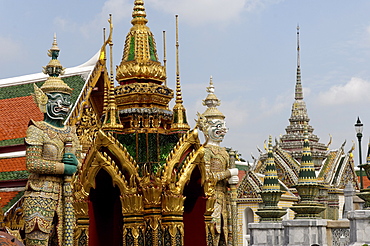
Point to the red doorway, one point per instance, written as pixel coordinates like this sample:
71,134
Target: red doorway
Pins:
105,212
194,209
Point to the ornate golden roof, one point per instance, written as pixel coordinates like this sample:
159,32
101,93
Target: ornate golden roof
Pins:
140,59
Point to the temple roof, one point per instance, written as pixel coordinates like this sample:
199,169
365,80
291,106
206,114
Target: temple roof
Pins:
8,198
252,184
338,169
82,70
18,112
13,164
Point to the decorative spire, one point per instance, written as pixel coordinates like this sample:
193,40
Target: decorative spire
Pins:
307,170
139,13
54,46
293,140
164,56
212,102
270,182
271,192
307,187
54,69
179,111
140,59
178,86
211,113
111,119
298,87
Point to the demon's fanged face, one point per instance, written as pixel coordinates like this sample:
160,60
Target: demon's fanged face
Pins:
217,130
58,105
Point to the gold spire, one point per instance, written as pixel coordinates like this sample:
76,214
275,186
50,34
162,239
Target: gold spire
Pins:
212,102
140,59
54,83
54,45
111,119
179,111
164,56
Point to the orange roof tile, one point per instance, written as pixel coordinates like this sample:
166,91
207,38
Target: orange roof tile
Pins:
365,180
15,114
6,197
13,164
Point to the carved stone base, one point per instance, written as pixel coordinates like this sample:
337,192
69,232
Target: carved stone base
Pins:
305,232
359,227
271,234
307,210
271,214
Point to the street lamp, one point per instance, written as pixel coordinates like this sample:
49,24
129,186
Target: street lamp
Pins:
359,128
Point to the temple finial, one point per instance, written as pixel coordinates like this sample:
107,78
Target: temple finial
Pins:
212,102
178,86
271,182
54,47
139,14
298,88
164,56
307,173
54,69
140,60
270,192
211,88
111,120
179,111
298,58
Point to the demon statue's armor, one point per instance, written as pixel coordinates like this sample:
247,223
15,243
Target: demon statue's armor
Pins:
52,153
216,158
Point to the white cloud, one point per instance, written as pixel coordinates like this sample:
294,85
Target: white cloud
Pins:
10,50
191,11
235,111
118,8
204,11
356,90
364,38
268,108
64,24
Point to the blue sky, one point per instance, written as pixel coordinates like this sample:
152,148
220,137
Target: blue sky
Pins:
248,46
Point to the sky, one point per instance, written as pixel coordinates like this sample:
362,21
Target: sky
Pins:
247,46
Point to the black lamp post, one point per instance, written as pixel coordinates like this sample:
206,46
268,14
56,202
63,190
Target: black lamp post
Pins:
358,128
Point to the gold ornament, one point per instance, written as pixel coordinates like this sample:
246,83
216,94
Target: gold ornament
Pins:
40,98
